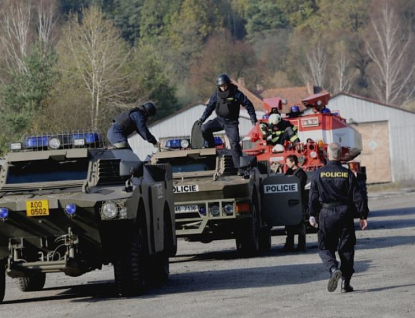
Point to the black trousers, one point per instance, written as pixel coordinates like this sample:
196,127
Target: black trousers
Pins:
299,229
337,233
231,128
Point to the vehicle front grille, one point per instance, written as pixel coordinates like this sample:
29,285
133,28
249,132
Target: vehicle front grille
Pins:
109,172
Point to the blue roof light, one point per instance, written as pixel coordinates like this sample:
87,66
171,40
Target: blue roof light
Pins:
90,138
218,141
173,143
4,213
70,209
34,142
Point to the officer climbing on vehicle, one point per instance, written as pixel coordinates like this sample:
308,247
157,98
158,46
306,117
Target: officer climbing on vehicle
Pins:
129,121
334,197
278,130
226,101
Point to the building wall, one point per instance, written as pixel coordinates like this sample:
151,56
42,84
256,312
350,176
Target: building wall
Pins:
180,125
401,126
376,153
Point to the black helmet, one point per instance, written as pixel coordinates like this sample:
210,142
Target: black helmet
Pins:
223,79
150,109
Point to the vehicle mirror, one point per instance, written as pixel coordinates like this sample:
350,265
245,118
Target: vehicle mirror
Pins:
247,161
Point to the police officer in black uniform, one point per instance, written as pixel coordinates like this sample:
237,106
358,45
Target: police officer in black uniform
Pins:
226,101
293,169
334,197
129,121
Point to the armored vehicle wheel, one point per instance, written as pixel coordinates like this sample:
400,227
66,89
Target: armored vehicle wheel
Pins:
2,281
265,239
129,268
247,236
159,263
34,282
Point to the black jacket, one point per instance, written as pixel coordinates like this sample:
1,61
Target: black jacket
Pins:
335,184
300,174
233,103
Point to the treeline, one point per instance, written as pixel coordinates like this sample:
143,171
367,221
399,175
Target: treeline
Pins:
74,63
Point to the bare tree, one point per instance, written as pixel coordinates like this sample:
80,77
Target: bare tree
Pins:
16,19
94,52
46,18
317,63
389,52
23,22
342,78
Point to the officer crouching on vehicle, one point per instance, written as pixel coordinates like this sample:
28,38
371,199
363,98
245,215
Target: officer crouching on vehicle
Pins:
278,130
129,121
226,101
334,197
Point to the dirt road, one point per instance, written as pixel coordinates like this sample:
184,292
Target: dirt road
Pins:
209,280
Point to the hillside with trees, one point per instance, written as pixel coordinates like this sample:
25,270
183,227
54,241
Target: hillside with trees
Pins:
70,64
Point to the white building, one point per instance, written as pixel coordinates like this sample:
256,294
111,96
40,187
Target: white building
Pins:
388,136
179,124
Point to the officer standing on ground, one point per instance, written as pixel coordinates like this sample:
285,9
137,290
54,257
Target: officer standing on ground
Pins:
335,191
300,229
226,101
129,121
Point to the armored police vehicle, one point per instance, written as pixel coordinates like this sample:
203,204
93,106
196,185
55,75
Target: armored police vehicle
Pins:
212,202
69,204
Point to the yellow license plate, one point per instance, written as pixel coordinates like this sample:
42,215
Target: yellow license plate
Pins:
37,208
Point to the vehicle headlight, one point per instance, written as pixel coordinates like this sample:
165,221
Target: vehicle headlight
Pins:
184,143
4,213
109,210
54,143
15,146
228,209
214,210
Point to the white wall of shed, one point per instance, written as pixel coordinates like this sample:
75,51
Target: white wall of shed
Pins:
180,125
401,130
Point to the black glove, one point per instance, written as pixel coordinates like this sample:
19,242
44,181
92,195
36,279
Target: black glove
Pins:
199,122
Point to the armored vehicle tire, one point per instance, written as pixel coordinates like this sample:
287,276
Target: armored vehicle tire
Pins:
129,268
2,281
265,239
159,264
34,282
247,236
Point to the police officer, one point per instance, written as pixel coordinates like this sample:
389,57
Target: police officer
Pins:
226,101
293,169
129,121
279,130
334,197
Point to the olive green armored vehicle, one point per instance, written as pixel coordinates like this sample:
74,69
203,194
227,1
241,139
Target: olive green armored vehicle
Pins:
69,204
212,202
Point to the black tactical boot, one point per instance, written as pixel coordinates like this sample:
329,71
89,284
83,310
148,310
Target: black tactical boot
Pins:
336,274
289,244
346,287
301,247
